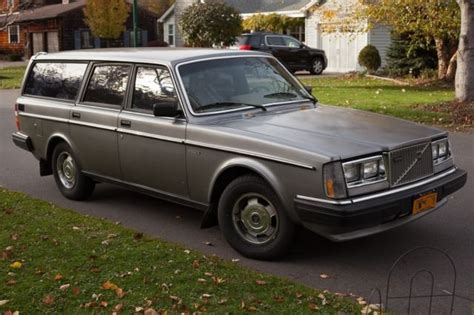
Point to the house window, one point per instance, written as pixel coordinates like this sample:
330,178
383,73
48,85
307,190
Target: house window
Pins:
13,34
171,34
86,39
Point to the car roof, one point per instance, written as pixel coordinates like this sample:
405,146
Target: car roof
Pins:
145,55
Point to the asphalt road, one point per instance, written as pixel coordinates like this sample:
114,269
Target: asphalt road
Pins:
353,267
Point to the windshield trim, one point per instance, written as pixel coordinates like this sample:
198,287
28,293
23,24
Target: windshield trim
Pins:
188,103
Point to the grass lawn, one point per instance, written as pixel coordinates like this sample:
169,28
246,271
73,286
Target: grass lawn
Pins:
383,97
10,78
54,260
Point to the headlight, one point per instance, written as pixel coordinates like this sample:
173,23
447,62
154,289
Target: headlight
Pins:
440,151
364,171
334,180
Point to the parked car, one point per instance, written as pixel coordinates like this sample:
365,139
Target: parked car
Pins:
291,52
234,134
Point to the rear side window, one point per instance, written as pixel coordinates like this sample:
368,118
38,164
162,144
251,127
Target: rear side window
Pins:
55,79
108,84
275,41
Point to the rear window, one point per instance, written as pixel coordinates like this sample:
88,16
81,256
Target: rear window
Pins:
252,40
55,79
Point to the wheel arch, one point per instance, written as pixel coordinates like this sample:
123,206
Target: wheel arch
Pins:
231,170
46,161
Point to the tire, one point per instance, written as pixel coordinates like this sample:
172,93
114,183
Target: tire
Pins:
68,176
253,219
317,66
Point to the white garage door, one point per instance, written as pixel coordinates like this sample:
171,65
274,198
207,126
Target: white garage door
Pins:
342,50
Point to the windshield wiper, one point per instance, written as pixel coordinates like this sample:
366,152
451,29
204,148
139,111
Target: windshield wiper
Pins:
281,94
221,104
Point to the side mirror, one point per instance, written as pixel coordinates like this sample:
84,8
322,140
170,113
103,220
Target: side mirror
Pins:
166,110
302,45
309,89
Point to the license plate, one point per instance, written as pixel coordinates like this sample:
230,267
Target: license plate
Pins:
424,203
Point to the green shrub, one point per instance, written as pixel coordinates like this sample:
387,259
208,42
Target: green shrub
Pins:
14,57
369,58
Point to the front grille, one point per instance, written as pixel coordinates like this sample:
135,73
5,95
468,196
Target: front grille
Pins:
409,164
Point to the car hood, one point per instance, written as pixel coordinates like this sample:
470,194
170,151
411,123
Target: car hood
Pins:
334,132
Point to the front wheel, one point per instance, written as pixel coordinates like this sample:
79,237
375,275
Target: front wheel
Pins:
68,176
253,220
317,66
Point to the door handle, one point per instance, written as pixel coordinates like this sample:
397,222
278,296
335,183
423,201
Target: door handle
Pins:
126,123
76,115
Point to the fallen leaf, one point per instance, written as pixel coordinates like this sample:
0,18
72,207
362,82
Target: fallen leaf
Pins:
209,274
242,304
313,307
206,296
218,280
16,265
58,277
120,292
48,299
323,276
279,298
223,301
235,260
104,304
75,228
196,264
64,287
260,282
138,309
76,290
109,285
187,251
14,237
150,311
298,295
252,309
118,307
201,280
11,282
209,244
3,302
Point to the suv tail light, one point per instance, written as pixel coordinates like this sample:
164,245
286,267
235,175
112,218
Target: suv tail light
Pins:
17,117
245,47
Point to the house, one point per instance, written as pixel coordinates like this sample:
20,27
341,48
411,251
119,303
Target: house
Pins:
60,26
341,40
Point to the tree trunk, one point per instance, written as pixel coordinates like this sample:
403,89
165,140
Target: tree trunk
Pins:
465,69
443,58
451,73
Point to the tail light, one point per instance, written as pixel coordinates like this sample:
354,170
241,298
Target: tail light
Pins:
17,117
245,47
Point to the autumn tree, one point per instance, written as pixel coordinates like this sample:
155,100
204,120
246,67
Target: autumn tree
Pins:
106,18
210,23
271,23
465,71
425,21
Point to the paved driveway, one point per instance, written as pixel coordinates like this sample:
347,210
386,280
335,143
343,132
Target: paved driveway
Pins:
352,267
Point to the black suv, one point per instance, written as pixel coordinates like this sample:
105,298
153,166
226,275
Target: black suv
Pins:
291,52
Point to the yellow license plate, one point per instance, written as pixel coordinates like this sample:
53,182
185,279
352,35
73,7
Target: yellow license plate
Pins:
424,203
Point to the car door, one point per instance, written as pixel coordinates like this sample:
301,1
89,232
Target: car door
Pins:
297,53
279,49
94,119
152,150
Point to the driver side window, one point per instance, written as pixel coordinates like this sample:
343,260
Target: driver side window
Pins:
153,86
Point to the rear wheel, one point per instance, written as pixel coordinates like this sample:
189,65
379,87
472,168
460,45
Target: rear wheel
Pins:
68,176
317,66
253,220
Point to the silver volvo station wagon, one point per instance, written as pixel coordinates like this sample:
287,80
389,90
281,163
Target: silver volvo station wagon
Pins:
234,134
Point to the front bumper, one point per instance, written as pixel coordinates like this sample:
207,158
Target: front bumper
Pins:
22,141
366,215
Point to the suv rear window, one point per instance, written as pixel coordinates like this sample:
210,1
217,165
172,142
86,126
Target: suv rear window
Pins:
252,40
55,79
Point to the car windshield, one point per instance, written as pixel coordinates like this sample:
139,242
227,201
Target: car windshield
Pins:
243,82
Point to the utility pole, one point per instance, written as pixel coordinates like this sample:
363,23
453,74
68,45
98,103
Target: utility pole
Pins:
135,23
